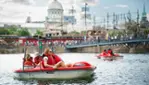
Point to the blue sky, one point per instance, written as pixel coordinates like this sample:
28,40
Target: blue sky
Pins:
18,10
133,5
118,6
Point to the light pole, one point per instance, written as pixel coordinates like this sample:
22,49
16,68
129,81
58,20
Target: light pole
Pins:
85,17
107,20
39,44
85,9
114,19
94,22
62,22
72,12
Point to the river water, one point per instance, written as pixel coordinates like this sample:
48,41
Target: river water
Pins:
133,69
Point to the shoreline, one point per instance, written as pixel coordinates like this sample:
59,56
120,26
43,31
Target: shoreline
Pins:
61,49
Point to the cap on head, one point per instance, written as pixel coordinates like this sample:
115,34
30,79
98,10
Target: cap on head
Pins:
36,53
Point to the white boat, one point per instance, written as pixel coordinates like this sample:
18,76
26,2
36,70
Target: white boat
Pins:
60,73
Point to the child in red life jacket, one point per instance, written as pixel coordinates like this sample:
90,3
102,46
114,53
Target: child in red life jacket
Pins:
28,61
37,59
110,52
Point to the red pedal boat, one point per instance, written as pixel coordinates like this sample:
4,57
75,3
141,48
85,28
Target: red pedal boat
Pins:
79,70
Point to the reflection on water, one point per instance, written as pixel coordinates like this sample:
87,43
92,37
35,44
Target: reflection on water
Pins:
59,82
82,81
133,69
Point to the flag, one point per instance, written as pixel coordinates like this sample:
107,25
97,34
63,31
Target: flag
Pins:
88,16
72,11
85,9
70,19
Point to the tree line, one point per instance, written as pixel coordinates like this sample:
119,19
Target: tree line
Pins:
13,30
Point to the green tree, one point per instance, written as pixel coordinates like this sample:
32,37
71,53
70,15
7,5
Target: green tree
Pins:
134,29
116,32
146,32
4,31
23,32
12,31
74,33
84,33
38,33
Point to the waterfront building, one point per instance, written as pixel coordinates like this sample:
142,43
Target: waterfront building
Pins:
55,23
97,33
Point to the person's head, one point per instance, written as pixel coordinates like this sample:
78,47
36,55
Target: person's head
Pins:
28,56
109,50
105,50
47,51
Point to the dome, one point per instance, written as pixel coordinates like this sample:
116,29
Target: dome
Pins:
55,5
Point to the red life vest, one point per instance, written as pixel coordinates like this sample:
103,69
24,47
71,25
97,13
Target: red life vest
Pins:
56,58
53,59
28,62
103,54
109,51
37,59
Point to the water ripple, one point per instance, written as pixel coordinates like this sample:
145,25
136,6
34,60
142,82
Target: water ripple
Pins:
133,69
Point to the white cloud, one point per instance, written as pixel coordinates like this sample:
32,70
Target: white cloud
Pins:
18,10
26,2
21,8
106,7
121,6
89,2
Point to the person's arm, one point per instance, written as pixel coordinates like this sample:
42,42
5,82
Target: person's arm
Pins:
47,65
35,60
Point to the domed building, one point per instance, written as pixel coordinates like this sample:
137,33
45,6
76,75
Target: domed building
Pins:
55,12
54,21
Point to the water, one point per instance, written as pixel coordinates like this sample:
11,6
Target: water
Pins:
133,69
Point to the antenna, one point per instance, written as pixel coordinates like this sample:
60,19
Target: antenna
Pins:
85,16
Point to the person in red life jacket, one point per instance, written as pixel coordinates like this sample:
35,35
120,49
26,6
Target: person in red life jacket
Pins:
110,52
104,52
28,61
37,59
53,60
45,63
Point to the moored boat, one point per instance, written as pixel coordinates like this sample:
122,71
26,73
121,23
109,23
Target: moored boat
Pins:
79,70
